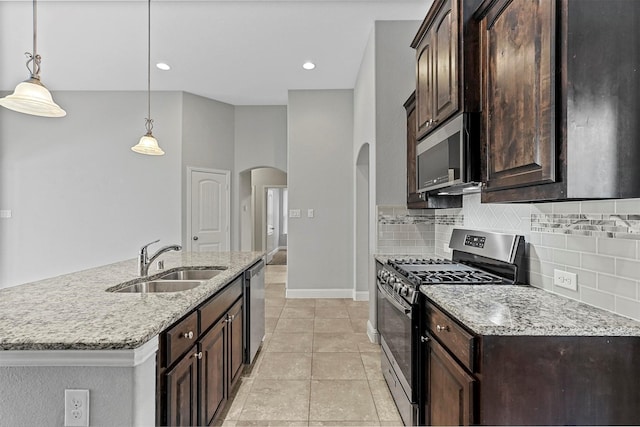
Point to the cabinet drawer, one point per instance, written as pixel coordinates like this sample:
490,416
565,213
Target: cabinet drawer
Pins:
211,311
180,338
457,340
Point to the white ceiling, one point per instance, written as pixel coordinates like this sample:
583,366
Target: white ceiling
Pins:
236,51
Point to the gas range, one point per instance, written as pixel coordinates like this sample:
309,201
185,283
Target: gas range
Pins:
479,258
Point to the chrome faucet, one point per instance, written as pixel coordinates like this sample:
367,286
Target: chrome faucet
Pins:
144,260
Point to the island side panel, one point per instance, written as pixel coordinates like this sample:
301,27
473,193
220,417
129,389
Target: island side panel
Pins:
34,395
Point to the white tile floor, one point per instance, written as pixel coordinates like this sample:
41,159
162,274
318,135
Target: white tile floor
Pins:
316,366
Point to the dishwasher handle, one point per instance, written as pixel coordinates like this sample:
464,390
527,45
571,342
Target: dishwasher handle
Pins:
254,270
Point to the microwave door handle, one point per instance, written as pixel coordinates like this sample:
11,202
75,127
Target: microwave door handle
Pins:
392,300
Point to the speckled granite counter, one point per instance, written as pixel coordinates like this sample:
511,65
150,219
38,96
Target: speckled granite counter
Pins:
525,310
75,311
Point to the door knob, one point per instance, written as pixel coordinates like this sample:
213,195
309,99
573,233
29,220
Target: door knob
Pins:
195,237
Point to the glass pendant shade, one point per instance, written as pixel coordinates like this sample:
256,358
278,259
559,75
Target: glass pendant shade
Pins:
148,144
31,97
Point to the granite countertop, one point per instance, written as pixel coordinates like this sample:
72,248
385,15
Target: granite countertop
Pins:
75,312
526,310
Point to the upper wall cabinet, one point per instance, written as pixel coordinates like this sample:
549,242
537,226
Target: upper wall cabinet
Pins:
560,99
447,67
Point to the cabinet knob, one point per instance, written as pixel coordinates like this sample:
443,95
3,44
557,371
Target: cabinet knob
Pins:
230,318
424,339
195,237
442,328
198,355
188,335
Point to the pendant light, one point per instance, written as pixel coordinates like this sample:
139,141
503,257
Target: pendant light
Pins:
31,96
148,144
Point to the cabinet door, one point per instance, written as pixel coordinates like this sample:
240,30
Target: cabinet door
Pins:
413,198
519,128
182,391
236,344
445,73
424,86
213,381
450,389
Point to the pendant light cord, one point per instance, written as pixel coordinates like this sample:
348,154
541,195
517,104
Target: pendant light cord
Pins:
149,122
33,59
35,25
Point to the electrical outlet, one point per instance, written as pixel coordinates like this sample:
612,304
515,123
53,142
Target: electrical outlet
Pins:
76,408
564,279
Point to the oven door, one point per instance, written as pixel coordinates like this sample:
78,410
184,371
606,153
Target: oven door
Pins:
395,327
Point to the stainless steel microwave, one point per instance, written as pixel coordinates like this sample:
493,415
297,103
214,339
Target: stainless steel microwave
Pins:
449,156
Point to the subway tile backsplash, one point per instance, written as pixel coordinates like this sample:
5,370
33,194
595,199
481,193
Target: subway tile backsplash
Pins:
598,240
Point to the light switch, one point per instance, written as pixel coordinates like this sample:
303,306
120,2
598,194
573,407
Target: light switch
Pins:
310,213
5,214
294,213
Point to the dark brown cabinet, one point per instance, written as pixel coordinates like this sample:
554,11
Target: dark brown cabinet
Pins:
236,345
447,67
414,201
214,392
526,380
182,391
519,125
195,380
557,99
450,389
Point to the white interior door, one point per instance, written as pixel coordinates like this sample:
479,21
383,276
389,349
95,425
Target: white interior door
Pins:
209,210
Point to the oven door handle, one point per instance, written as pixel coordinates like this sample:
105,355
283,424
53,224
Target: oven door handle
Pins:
392,300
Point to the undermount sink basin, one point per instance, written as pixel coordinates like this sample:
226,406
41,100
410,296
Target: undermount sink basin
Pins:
191,275
157,286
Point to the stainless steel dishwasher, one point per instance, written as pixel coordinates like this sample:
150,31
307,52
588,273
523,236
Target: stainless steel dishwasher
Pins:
254,310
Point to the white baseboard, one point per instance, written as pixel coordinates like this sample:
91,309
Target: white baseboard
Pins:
372,333
360,295
282,248
319,293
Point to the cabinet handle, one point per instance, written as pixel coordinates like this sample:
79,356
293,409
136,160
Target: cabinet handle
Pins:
424,339
188,335
442,328
230,318
198,355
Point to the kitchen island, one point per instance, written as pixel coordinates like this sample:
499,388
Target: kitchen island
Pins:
71,332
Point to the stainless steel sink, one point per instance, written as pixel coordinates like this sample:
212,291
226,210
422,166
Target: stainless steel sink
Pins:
157,286
191,275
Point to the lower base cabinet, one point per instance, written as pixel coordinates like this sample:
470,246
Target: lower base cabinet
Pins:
450,389
526,380
194,384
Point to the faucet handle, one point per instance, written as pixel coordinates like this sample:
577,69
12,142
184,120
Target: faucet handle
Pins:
143,250
149,244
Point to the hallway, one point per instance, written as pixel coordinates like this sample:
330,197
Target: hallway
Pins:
316,366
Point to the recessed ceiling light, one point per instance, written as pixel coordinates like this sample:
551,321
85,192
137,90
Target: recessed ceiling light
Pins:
308,65
163,66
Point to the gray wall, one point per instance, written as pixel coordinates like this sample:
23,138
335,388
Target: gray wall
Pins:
395,80
321,178
208,132
260,141
78,194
